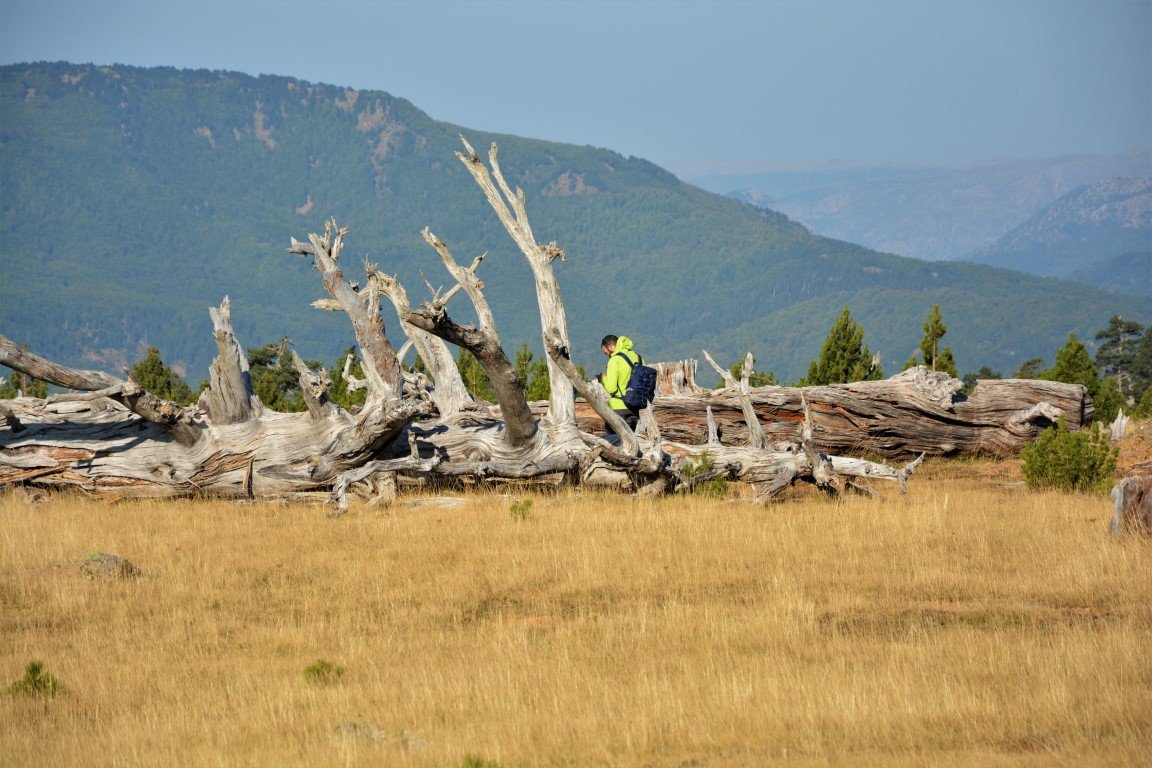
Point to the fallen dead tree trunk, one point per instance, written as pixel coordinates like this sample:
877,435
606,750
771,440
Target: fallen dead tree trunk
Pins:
113,438
917,411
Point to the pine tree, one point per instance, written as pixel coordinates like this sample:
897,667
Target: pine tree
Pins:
1143,409
1075,366
934,358
475,380
14,384
156,377
971,379
533,375
274,377
1107,401
1120,344
946,363
1140,368
844,357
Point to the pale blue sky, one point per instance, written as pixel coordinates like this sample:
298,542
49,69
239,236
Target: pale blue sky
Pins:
694,86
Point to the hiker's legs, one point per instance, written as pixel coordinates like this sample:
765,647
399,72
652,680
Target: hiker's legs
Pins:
630,418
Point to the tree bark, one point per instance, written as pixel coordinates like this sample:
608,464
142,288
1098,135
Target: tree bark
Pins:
1132,502
381,370
120,440
448,392
483,342
917,411
511,209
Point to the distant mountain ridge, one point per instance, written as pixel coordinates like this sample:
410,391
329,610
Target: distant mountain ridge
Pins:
1093,223
924,212
135,198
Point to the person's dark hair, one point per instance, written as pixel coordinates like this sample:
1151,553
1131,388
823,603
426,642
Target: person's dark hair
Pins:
608,340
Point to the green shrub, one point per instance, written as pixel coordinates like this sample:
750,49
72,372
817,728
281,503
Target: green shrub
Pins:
476,761
36,682
1070,461
519,510
717,486
323,672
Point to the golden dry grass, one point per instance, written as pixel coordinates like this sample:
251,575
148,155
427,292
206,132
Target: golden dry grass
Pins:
963,623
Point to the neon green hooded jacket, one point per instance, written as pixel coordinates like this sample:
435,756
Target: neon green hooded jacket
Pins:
618,372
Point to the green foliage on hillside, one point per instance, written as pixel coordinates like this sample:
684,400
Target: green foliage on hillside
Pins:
1115,379
1126,273
1074,365
137,198
1125,353
275,379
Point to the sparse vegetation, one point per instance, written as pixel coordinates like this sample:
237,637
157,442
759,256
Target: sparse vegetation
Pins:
36,682
323,672
520,509
962,623
476,761
1070,461
703,464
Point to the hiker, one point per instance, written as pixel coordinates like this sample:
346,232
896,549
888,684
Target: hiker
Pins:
616,375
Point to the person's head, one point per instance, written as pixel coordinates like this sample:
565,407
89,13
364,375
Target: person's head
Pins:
608,344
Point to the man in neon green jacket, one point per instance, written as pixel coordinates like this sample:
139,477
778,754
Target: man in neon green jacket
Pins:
616,375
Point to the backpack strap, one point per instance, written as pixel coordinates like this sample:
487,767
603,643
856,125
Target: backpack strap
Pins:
631,365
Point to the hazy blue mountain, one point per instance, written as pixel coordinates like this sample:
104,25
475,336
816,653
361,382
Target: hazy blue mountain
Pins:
1091,224
1126,273
132,199
925,212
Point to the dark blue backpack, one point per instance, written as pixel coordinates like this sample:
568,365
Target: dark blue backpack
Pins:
641,384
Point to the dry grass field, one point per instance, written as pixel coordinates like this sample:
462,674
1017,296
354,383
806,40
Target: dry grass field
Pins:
966,623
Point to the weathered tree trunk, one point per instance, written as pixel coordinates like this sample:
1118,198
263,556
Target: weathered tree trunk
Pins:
117,439
917,411
511,209
1132,502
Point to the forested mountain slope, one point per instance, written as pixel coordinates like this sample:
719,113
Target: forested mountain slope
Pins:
1126,273
132,199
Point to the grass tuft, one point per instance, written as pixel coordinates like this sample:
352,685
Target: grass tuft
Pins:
36,682
323,672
